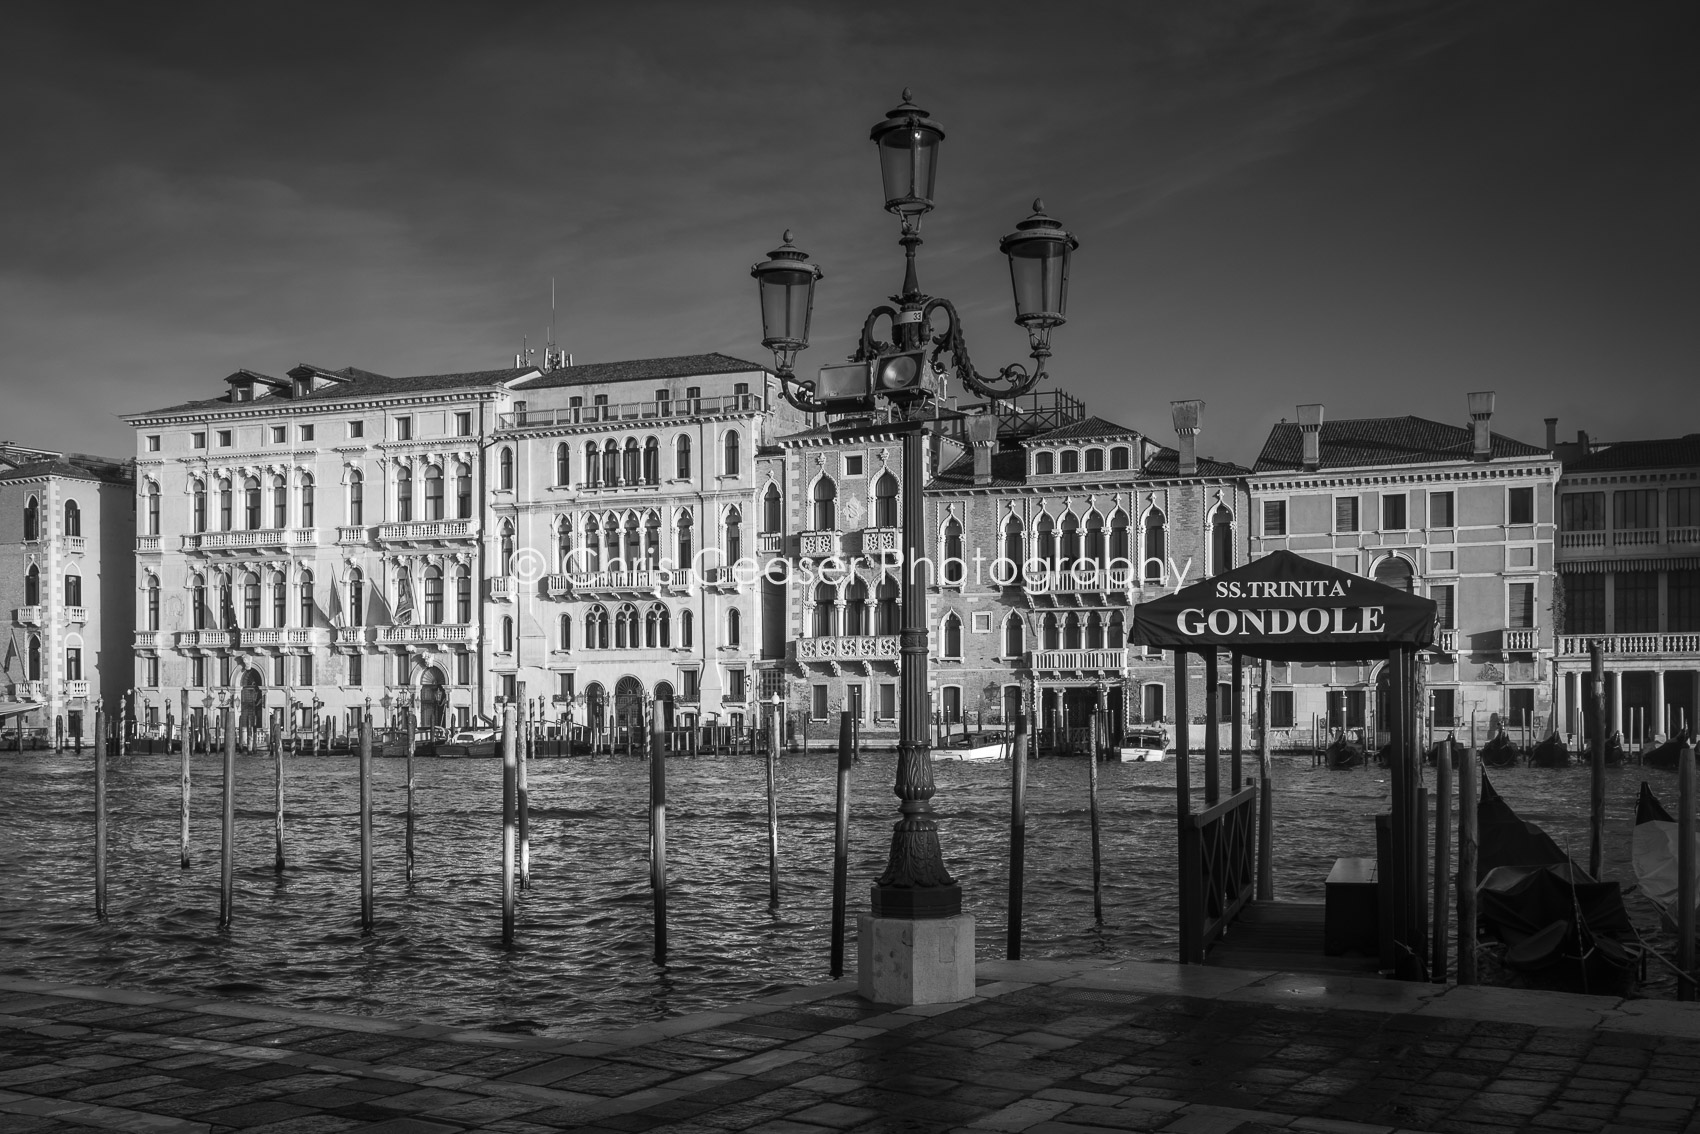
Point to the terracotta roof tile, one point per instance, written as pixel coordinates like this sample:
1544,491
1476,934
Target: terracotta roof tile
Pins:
1381,441
1662,453
1091,427
641,369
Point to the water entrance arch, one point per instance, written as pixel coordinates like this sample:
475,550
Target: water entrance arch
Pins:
431,698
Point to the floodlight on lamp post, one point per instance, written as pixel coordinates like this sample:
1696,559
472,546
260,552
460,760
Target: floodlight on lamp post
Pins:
925,343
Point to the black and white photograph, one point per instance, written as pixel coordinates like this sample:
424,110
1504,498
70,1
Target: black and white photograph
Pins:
850,566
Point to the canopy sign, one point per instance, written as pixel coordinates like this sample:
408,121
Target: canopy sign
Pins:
1288,608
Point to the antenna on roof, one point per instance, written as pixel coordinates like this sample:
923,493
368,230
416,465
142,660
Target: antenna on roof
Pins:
553,355
523,358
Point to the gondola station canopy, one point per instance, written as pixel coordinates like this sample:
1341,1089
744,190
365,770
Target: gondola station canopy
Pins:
1285,607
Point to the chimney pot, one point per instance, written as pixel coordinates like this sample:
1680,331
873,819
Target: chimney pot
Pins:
1552,433
1310,429
983,439
1481,413
1186,416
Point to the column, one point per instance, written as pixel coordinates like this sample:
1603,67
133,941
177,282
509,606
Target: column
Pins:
1656,725
1614,681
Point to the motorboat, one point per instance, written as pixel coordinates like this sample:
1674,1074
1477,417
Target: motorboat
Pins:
470,742
1143,745
974,746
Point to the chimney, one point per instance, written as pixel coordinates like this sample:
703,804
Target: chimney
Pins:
983,439
1186,415
1310,425
1481,412
1552,433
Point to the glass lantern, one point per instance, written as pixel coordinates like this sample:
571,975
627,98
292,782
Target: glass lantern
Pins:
1038,252
908,144
786,282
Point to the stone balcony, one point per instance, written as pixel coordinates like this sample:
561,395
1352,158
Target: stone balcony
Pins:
859,651
770,543
1077,662
428,533
281,539
877,541
203,639
820,544
1682,645
149,639
352,534
1446,641
29,690
77,614
611,584
1681,537
718,579
76,543
1519,641
428,634
148,543
77,688
30,615
504,588
277,636
351,635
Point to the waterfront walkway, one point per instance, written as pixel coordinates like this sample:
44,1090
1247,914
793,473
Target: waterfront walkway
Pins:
1046,1047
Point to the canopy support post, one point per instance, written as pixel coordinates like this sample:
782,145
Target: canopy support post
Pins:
1236,725
1191,948
1212,730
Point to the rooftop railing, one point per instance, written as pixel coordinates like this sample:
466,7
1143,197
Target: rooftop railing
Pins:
632,411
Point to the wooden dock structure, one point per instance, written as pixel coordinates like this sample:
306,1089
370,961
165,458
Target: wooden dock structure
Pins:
1285,936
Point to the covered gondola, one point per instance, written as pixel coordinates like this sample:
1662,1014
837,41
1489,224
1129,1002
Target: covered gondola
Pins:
1500,752
1550,753
1344,753
1665,755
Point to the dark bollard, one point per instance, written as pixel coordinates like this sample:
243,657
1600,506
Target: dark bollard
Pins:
510,771
772,817
1017,834
183,849
99,814
277,820
412,743
522,795
227,844
1467,859
1685,880
366,822
841,842
1092,804
658,834
1442,855
1597,771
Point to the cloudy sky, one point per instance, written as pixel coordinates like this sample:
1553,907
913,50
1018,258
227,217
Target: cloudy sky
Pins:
1378,206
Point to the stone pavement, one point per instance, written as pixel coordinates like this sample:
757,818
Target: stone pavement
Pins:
1046,1047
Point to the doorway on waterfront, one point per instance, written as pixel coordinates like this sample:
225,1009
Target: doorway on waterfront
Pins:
253,698
628,710
664,704
431,698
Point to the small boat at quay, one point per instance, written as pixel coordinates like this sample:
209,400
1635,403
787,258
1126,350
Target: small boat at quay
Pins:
1653,853
1345,753
1500,752
1143,745
1550,753
974,746
470,743
1665,755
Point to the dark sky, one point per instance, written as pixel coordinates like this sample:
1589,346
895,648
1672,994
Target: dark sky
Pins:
1378,206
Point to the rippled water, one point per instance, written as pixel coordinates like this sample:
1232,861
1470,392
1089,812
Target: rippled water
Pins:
584,939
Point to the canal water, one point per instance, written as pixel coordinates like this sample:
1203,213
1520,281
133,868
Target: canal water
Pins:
582,958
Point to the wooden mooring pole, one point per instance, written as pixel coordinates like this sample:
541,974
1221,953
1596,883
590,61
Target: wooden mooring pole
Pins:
841,839
1092,807
227,845
412,744
1017,833
1467,850
1442,857
1685,894
658,831
99,811
1265,793
277,817
1597,777
772,816
510,772
366,821
522,794
188,737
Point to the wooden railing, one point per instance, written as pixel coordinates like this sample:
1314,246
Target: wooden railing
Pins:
1218,870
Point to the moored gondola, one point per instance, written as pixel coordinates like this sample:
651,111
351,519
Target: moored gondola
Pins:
1653,853
1432,756
1500,752
1665,755
1344,753
1550,753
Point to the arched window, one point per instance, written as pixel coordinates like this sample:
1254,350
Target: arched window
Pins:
566,633
563,464
356,499
73,518
34,658
280,504
734,536
952,636
280,599
885,501
886,600
1045,541
306,501
687,542
73,590
506,562
200,506
434,492
463,492
652,627
1094,460
1014,637
506,461
1114,638
1095,540
610,463
32,519
507,635
1071,632
856,609
1043,464
632,466
732,463
32,586
1014,567
564,544
772,511
1120,553
687,629
1069,548
1395,572
1154,546
226,505
1049,635
434,595
953,567
626,627
153,603
591,558
250,600
1070,460
1094,631
251,503
1221,540
682,457
652,541
596,628
356,598
304,586
1118,458
404,494
463,594
592,465
826,597
734,621
826,505
202,616
633,551
152,524
652,461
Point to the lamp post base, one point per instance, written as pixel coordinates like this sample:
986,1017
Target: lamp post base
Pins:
915,960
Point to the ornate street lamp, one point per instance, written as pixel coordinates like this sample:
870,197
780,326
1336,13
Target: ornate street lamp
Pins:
926,341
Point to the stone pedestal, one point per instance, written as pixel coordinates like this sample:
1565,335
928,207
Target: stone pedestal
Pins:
915,961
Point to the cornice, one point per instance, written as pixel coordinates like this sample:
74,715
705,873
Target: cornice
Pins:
237,411
1287,481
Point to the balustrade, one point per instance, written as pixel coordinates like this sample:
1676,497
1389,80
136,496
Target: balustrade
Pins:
818,545
503,588
877,541
29,690
426,634
147,543
76,543
1081,579
848,648
1629,645
147,639
1581,539
770,543
1520,641
78,614
347,534
615,582
1635,537
76,688
1077,661
427,531
31,615
202,639
632,411
1446,641
353,635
